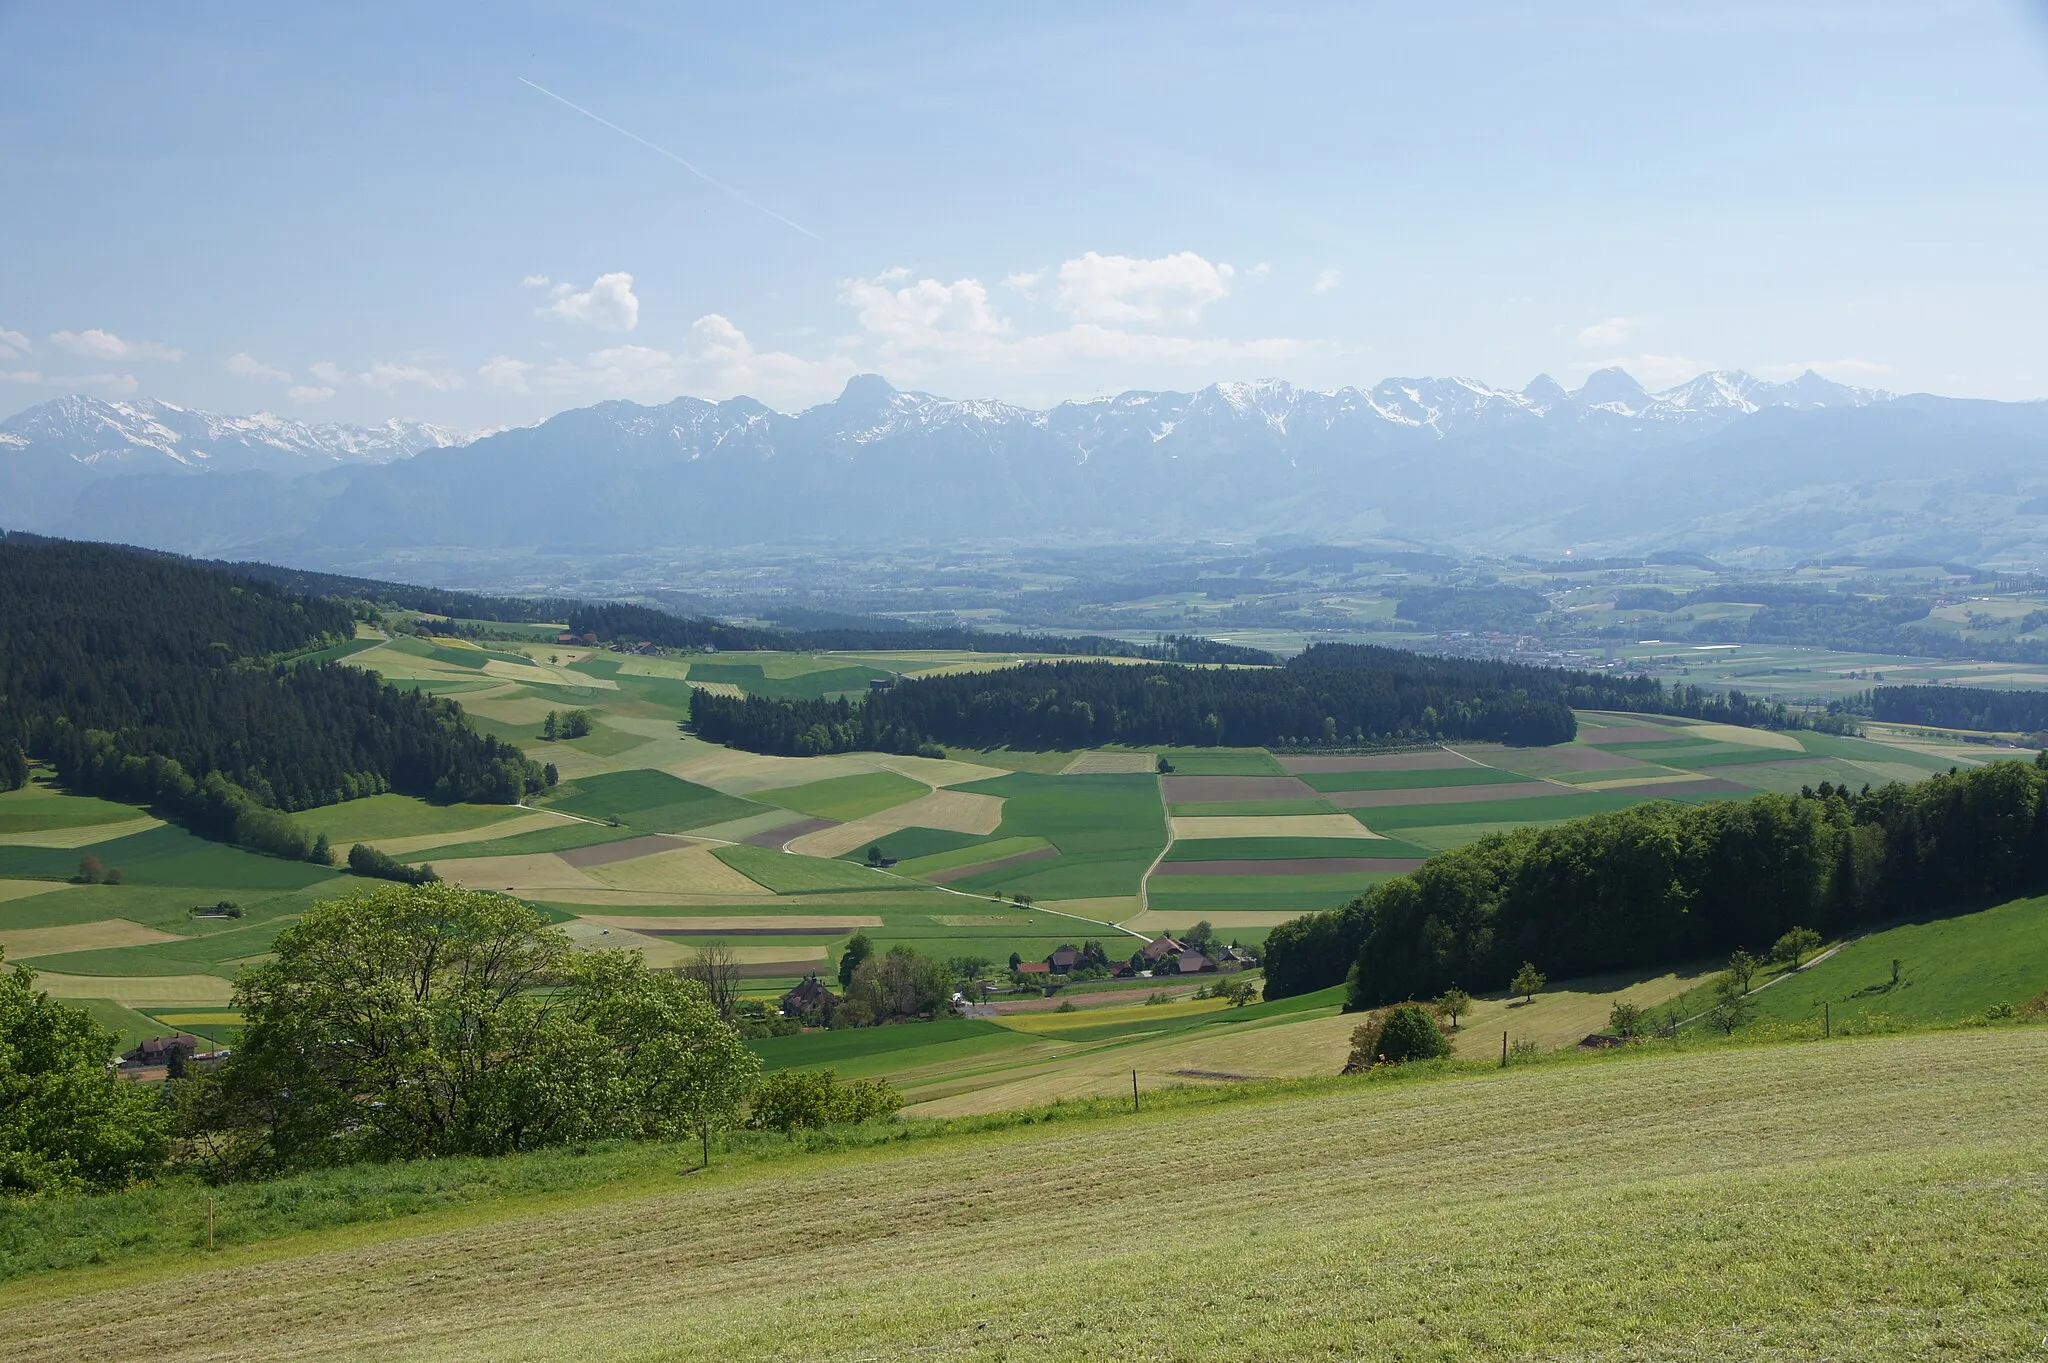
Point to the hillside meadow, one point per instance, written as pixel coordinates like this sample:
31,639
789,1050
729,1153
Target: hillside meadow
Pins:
1871,1199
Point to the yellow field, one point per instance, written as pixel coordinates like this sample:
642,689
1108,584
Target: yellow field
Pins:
511,709
1111,763
86,836
939,771
24,889
1191,828
20,943
1749,738
216,1019
1616,782
1155,921
547,676
534,871
1104,910
687,870
954,810
744,773
423,842
817,922
719,688
136,991
1563,1017
1053,1022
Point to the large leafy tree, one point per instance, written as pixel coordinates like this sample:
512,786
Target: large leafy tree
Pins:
67,1123
428,1020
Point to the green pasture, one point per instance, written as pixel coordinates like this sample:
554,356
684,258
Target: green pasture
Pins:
1292,849
213,954
1197,895
166,856
1863,750
397,816
981,850
1108,830
869,1051
915,844
845,798
1222,762
40,807
1535,810
649,801
1950,969
754,679
1252,808
787,873
572,833
1432,778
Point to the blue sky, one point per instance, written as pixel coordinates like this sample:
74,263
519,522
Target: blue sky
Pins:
360,211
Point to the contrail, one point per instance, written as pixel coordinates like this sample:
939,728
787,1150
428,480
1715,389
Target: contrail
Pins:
715,184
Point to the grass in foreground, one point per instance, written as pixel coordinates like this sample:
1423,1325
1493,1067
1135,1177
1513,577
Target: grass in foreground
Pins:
1874,1199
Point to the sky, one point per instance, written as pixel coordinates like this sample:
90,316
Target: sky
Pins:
484,214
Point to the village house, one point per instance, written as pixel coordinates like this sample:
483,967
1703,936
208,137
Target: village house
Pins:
157,1050
1160,947
1063,959
1195,963
809,999
1034,968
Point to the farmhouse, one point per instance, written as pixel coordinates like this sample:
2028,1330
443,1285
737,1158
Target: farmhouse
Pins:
1034,968
1195,963
1161,946
157,1050
1063,959
809,999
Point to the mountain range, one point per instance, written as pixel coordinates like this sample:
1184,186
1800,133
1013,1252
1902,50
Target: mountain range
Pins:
1725,464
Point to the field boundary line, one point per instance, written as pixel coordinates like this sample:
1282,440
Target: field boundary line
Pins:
1145,881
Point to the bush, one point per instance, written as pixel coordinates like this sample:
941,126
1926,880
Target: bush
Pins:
1395,1036
791,1099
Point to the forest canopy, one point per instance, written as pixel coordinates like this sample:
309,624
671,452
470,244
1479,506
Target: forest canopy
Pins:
1664,883
154,679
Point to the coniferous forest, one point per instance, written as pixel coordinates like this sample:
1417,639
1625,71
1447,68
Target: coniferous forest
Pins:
1328,696
1665,883
155,679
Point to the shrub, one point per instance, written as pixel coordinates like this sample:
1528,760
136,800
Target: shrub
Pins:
1395,1036
791,1099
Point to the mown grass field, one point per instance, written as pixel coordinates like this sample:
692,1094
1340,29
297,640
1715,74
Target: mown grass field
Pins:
1872,1199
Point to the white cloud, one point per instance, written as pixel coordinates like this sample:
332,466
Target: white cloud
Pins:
1651,371
1326,280
608,304
1260,270
1126,289
716,361
249,367
309,393
13,345
926,315
534,281
328,372
1024,282
118,384
105,345
385,375
1613,331
504,373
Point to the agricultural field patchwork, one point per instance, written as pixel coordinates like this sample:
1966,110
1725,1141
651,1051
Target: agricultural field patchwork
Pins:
770,853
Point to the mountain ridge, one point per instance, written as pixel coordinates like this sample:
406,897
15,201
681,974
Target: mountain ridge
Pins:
1798,467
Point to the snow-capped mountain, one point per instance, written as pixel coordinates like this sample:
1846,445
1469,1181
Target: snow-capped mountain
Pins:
147,436
1446,461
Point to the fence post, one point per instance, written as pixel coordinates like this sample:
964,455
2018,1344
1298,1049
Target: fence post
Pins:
1503,1050
209,1223
1134,1090
1827,1020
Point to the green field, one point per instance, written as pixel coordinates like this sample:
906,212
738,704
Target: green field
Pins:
1950,970
1430,778
1108,830
397,816
1289,849
570,834
786,873
846,797
1224,809
1873,1199
650,801
1222,762
166,856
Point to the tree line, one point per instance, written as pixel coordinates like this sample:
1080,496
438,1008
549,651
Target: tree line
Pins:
1331,695
624,621
1962,707
153,679
1663,883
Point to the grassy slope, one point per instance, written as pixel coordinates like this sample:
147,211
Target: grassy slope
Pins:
1873,1199
1108,830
